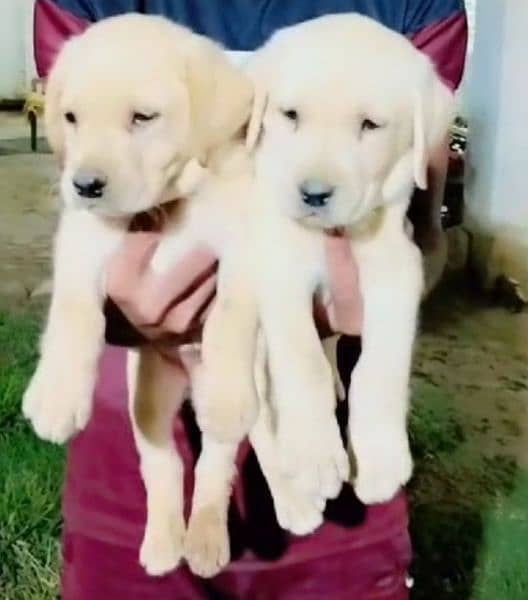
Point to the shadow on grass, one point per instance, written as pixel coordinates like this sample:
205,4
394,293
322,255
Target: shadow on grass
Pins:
454,497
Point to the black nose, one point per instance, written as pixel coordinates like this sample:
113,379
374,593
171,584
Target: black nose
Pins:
90,184
316,193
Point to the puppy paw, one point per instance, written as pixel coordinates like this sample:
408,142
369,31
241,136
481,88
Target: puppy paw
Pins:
314,457
162,547
296,512
207,542
226,409
57,403
384,465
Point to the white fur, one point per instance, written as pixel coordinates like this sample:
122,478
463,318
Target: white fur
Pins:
335,72
200,101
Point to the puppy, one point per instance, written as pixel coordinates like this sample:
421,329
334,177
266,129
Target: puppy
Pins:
350,112
134,107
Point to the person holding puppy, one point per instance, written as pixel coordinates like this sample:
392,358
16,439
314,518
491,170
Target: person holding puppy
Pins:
357,553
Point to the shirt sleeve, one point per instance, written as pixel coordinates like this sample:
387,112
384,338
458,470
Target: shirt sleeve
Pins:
439,29
52,26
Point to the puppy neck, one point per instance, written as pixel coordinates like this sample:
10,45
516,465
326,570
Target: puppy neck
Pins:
229,159
365,227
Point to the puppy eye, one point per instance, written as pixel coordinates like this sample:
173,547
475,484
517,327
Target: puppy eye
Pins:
369,125
138,118
70,117
291,114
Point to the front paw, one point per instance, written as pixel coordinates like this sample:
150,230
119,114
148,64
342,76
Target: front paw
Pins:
162,547
57,403
313,456
384,464
207,542
296,512
226,408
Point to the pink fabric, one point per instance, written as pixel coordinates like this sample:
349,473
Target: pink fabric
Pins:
446,43
104,515
52,27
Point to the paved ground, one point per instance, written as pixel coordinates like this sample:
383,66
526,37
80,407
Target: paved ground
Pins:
27,210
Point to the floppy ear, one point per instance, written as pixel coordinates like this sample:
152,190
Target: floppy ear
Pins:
220,95
260,101
433,115
260,69
53,117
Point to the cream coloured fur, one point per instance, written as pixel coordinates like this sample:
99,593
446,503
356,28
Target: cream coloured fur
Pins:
352,107
191,103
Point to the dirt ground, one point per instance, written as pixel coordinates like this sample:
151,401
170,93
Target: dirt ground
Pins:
477,355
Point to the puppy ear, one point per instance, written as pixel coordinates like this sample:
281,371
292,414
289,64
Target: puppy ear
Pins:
221,95
192,174
260,101
53,117
433,115
260,69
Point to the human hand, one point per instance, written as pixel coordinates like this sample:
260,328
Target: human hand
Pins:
167,309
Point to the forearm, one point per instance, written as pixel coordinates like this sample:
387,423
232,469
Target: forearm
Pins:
437,175
425,210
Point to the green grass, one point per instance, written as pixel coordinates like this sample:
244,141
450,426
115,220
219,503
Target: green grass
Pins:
30,477
469,509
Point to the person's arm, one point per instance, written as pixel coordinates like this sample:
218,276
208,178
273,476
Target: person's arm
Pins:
438,28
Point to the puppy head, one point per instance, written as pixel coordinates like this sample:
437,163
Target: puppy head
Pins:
352,114
130,102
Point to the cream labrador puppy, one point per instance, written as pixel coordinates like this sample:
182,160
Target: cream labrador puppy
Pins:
134,106
350,114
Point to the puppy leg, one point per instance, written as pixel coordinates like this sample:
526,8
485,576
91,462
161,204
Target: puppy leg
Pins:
225,397
58,400
207,540
309,443
391,283
155,393
296,512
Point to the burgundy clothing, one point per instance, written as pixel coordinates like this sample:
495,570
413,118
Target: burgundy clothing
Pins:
104,514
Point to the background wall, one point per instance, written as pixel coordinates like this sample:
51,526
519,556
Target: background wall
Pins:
16,49
497,105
